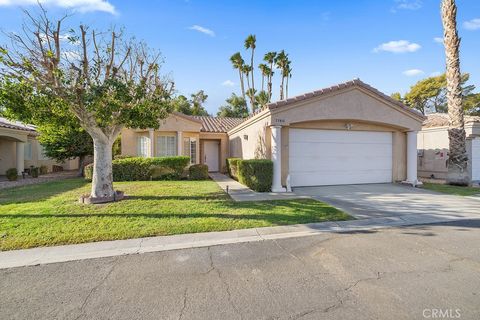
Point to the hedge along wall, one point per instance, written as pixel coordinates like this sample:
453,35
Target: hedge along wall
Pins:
256,174
142,169
232,167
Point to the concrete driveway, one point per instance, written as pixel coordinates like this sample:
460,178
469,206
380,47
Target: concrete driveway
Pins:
393,200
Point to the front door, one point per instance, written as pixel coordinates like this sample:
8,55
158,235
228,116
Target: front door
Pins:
211,155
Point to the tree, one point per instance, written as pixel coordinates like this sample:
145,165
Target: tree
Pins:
397,96
270,58
471,104
458,160
238,63
429,95
265,70
106,81
262,99
282,63
182,104
198,99
250,43
236,107
61,135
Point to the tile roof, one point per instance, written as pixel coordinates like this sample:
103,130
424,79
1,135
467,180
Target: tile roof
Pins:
217,124
16,125
337,87
441,120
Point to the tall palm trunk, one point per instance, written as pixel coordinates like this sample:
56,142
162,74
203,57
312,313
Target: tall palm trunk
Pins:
263,80
253,67
281,87
458,158
270,78
242,85
286,87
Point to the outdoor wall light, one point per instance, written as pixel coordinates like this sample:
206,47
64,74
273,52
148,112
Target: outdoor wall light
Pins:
245,137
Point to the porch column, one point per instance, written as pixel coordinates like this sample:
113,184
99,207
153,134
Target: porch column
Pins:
179,143
412,157
20,157
151,134
277,159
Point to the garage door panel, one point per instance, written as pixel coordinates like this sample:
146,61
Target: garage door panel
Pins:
329,157
476,159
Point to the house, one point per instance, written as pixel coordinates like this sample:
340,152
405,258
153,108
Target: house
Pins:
20,149
349,133
433,145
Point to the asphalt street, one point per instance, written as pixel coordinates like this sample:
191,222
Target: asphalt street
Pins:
399,273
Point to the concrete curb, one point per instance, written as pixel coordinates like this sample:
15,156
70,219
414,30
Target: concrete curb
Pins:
103,249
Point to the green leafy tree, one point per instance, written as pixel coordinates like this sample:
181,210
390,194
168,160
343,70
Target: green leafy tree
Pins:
270,58
61,135
236,107
182,104
106,81
471,104
198,99
397,96
238,63
262,99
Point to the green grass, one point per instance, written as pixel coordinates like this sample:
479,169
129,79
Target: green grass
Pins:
455,190
49,214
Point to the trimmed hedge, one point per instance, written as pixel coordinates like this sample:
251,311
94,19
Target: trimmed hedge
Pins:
232,167
198,172
142,169
12,174
256,174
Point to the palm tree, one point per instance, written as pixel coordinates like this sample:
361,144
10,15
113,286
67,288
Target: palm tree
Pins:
262,99
250,43
238,63
270,59
265,73
281,62
458,158
288,74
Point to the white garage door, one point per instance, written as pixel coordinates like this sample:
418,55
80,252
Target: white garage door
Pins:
330,157
476,159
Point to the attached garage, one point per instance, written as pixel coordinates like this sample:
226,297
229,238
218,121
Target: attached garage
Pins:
332,157
476,159
349,133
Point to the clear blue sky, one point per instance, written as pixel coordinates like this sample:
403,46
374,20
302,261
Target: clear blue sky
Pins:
328,41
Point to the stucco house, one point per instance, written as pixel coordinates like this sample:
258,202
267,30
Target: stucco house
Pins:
349,133
433,145
20,149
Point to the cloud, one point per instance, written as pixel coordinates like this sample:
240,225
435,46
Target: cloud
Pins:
413,72
76,5
473,24
438,40
201,29
400,46
408,4
228,83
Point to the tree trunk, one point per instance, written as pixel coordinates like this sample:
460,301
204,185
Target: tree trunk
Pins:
458,158
281,88
102,181
286,89
242,85
81,167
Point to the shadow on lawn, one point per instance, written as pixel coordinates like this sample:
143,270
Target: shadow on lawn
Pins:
40,192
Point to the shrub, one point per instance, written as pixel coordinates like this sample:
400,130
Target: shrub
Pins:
88,171
142,169
12,174
256,174
232,167
43,169
120,156
198,172
34,172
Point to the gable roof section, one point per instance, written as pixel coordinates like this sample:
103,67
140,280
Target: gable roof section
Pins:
217,124
441,120
16,125
349,84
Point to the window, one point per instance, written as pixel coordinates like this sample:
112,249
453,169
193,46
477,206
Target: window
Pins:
190,149
28,151
41,153
142,146
166,146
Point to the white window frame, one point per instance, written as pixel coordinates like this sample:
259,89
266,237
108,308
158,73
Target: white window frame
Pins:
27,151
166,146
190,149
143,144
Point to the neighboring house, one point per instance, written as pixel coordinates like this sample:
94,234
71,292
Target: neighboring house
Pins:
433,145
346,134
20,149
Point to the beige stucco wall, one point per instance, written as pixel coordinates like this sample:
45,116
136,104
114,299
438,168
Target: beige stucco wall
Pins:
355,107
433,144
7,155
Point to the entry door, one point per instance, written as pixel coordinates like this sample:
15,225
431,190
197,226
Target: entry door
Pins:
332,157
211,151
476,159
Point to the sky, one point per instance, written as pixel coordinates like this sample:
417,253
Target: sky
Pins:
389,44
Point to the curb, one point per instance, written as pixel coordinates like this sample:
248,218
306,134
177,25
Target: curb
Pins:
103,249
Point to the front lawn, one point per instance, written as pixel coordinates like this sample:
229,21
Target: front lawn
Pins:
455,190
49,214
